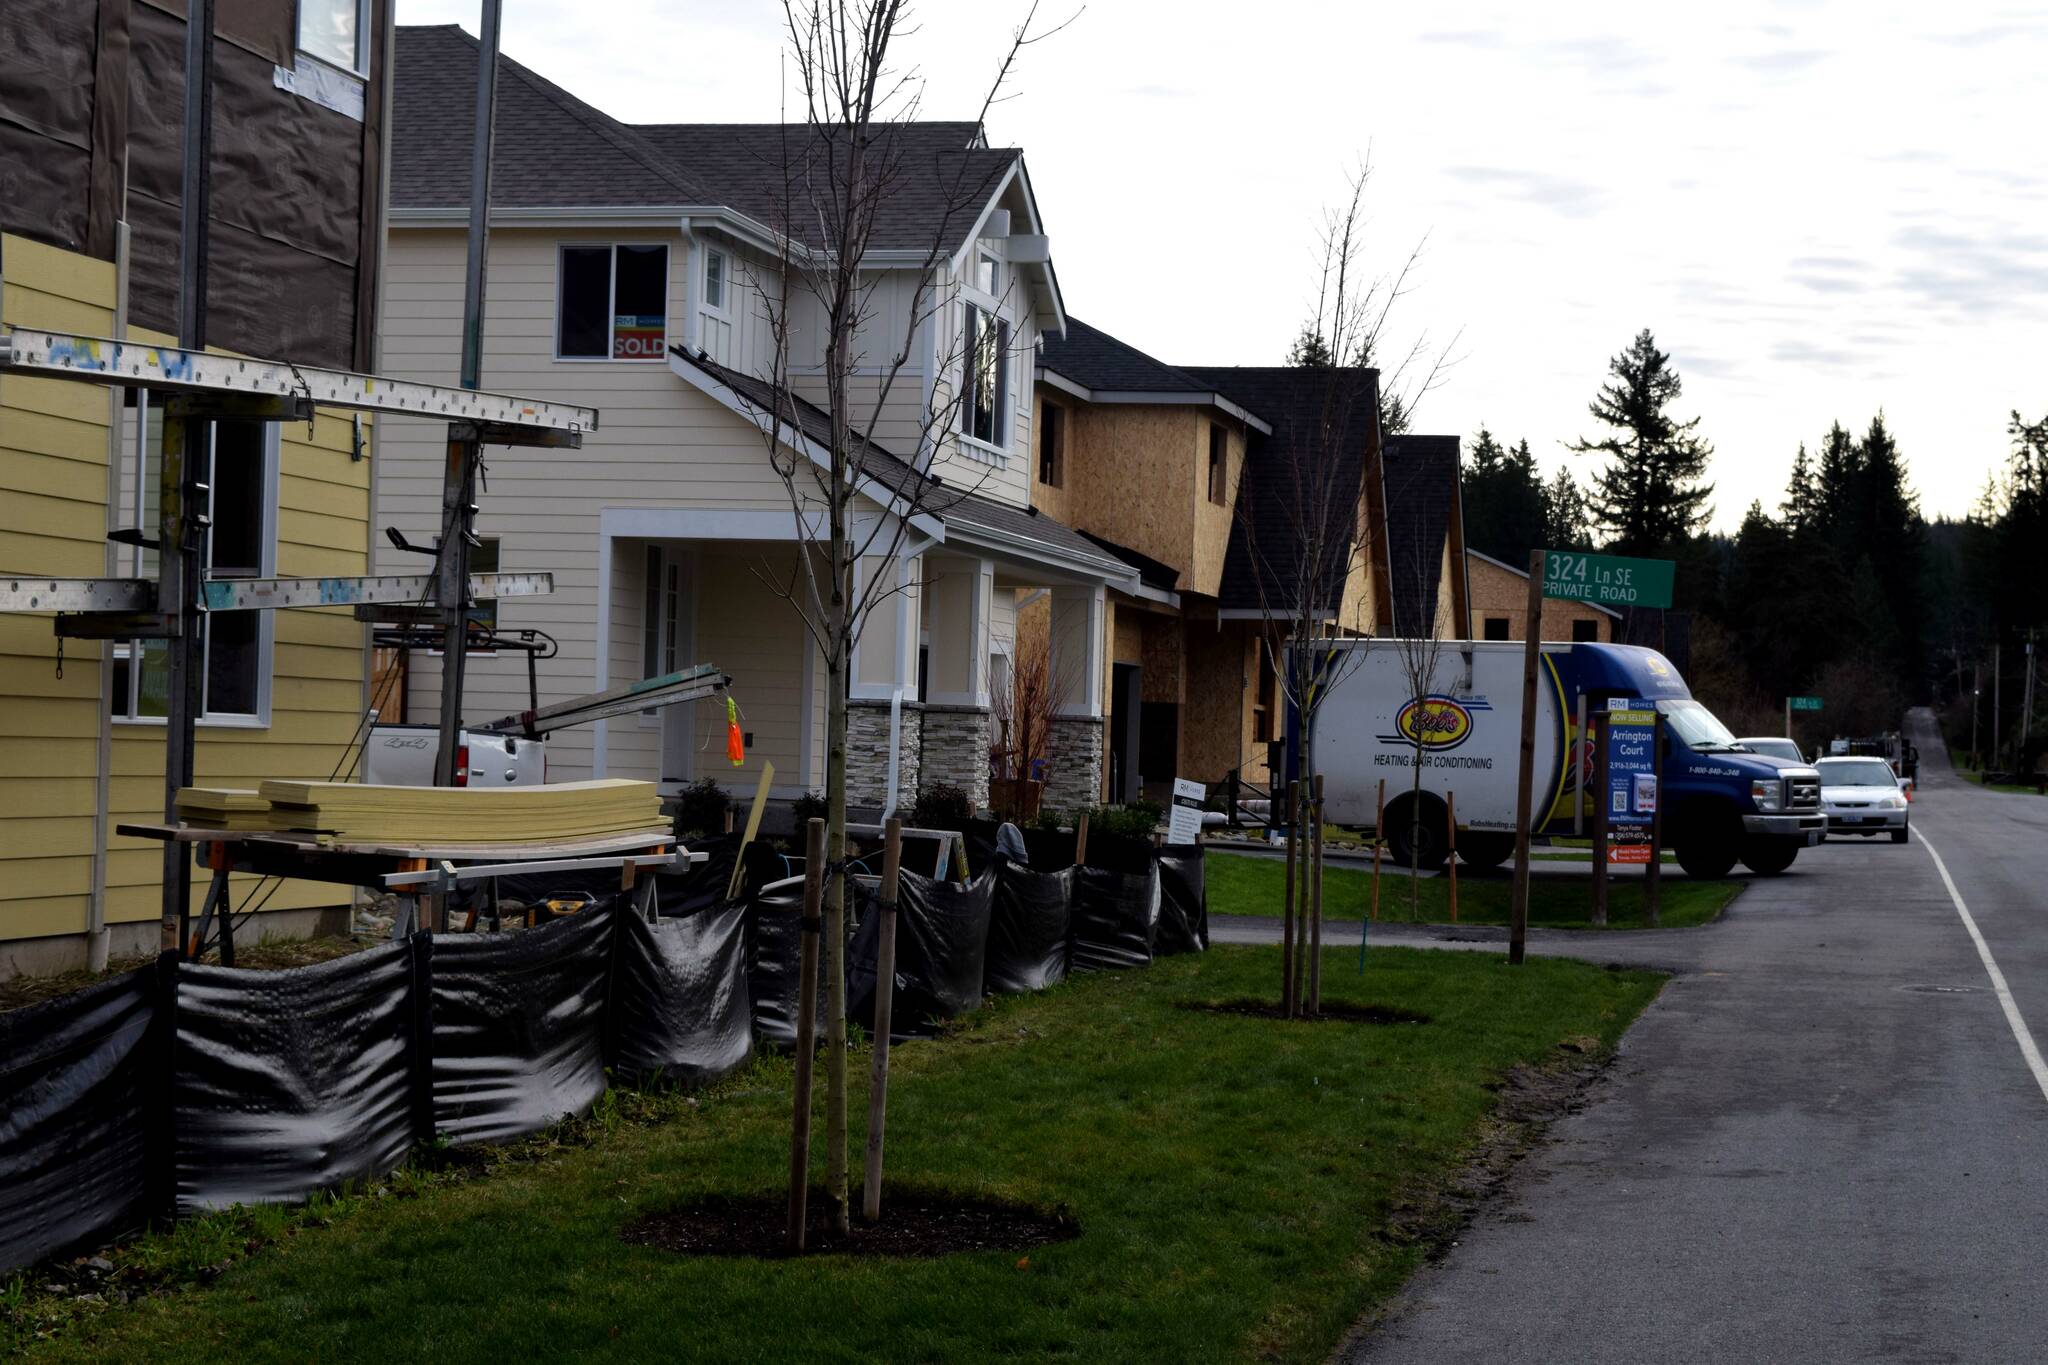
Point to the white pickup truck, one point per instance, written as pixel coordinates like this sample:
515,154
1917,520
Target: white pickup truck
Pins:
403,756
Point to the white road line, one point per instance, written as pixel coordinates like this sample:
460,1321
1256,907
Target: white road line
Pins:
2020,1032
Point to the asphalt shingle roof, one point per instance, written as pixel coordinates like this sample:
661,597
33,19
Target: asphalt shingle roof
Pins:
1292,474
1096,360
555,150
952,505
1419,474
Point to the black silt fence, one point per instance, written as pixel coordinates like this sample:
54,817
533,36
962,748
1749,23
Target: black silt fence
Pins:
183,1087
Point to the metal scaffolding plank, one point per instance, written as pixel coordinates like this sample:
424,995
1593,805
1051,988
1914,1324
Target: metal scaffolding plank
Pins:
257,594
62,355
91,595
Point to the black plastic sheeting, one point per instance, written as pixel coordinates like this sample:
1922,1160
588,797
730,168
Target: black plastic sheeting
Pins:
78,1087
680,1010
1030,923
290,1081
942,935
1116,917
774,963
519,1027
1183,901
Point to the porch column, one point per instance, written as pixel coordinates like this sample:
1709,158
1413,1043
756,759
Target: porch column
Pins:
957,732
884,721
1075,737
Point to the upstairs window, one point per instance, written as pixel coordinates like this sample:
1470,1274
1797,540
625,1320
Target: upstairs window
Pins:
988,274
1496,628
613,303
985,395
1052,438
337,32
714,281
1586,632
1219,463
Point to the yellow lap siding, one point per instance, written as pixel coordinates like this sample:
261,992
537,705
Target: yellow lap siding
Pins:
53,522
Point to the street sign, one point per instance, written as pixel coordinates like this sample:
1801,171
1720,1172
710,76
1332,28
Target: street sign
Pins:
1607,580
1802,703
1631,778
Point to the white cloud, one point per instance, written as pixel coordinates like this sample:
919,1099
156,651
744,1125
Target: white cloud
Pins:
1821,209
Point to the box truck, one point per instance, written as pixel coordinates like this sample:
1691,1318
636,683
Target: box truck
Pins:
1722,802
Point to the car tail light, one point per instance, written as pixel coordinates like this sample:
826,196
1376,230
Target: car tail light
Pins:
462,765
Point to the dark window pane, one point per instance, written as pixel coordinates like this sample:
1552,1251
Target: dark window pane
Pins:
238,499
124,682
641,306
232,640
1496,627
585,321
1586,631
1049,439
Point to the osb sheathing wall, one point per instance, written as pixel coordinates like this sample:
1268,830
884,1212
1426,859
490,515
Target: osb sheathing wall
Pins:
1211,529
1498,592
1216,720
1132,477
54,521
1057,501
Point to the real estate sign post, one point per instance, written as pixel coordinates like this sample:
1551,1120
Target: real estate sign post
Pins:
1604,580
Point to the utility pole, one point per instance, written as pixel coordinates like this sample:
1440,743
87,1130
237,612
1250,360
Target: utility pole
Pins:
458,474
1996,760
2027,696
1976,691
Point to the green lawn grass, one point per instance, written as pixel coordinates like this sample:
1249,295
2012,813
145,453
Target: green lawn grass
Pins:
1237,1182
1242,885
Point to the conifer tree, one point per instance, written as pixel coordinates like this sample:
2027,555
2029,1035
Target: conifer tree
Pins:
1651,495
1567,523
1503,499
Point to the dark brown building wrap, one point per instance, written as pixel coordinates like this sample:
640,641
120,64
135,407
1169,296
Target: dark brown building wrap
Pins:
90,86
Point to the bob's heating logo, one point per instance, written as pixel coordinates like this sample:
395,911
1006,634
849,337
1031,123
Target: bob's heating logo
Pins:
1438,722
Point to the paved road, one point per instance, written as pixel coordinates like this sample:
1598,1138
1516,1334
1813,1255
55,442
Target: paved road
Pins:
1822,1143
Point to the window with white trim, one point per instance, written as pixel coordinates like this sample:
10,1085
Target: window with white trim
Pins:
716,271
985,391
612,303
241,468
337,32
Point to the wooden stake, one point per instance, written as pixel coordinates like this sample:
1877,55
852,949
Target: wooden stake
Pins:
1525,772
806,1035
1653,875
1451,819
1287,912
1601,734
1304,811
885,990
1081,840
1315,930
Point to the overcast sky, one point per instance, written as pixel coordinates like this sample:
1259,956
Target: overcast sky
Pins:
1820,209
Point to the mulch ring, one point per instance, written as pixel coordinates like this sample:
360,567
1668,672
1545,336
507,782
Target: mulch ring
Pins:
1331,1012
914,1224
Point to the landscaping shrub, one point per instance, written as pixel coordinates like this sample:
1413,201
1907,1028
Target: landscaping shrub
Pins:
701,807
942,805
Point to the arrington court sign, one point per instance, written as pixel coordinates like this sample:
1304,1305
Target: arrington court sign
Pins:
1607,580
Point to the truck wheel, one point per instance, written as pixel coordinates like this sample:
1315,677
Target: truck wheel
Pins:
1768,857
1426,853
1485,850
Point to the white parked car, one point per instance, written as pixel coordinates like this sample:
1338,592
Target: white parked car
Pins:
1775,746
1862,796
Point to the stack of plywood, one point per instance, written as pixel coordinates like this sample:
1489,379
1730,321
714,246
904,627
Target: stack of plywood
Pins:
363,813
224,808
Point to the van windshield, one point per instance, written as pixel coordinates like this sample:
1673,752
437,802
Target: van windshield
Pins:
1696,726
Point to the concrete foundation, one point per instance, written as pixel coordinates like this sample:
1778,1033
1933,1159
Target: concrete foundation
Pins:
70,952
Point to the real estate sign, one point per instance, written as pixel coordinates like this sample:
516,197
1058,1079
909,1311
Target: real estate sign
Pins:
1184,821
1631,778
1607,580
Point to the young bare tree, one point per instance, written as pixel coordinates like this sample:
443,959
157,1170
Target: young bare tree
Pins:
845,344
1305,516
1419,645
